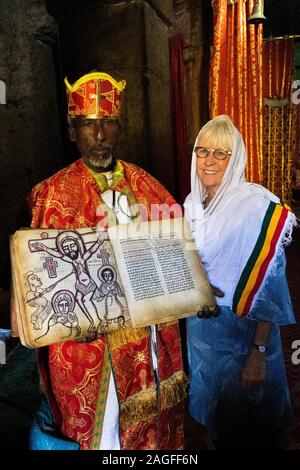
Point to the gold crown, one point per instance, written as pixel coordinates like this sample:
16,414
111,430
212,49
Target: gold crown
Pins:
95,95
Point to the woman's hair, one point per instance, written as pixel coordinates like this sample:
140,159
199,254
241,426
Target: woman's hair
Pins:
220,130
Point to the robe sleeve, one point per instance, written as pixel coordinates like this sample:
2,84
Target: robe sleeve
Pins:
274,301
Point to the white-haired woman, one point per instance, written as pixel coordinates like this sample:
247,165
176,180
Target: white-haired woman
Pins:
238,386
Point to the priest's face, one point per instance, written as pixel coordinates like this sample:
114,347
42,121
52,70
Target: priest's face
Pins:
96,140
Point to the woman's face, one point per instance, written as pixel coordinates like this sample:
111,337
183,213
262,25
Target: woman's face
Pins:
210,170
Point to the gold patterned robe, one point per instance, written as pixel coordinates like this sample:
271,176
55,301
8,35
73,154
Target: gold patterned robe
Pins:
76,376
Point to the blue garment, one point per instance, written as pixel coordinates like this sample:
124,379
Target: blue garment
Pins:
39,440
217,349
26,420
43,432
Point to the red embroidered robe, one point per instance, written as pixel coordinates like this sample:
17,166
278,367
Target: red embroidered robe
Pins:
76,376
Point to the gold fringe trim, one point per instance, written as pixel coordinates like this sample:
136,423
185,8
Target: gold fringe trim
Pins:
161,326
139,407
122,336
173,390
143,405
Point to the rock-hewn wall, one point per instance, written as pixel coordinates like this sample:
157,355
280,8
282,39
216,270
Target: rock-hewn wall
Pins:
129,40
30,142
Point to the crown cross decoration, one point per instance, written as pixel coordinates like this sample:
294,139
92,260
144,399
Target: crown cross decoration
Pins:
95,95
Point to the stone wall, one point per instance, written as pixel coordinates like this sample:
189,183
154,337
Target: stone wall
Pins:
42,41
30,142
192,20
128,40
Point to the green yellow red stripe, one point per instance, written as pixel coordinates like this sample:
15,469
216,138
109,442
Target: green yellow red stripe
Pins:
263,252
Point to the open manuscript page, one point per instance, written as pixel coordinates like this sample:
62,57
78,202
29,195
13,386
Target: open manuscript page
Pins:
66,286
72,284
161,272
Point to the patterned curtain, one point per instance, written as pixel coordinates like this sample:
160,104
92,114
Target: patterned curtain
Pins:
280,117
236,76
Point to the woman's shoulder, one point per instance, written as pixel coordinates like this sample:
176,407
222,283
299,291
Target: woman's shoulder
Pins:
255,197
252,207
259,193
264,213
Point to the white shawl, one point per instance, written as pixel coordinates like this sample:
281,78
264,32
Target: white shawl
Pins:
226,231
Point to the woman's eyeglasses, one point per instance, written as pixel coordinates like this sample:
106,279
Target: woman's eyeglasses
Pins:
219,154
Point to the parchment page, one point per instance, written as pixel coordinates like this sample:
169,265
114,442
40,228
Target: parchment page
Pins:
68,285
160,270
15,306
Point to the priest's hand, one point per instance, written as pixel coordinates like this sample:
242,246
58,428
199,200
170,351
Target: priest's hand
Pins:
206,312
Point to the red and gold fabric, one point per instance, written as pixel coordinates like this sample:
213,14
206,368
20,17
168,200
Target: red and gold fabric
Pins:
279,114
256,268
95,95
79,373
236,76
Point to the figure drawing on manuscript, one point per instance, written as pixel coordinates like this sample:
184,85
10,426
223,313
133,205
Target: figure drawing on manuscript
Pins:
93,280
109,291
63,303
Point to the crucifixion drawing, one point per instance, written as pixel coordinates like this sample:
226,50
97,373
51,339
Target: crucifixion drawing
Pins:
71,248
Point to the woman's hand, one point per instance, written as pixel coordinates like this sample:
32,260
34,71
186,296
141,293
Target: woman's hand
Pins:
254,370
206,312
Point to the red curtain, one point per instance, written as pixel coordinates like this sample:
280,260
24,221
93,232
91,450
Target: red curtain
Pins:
236,76
278,59
178,117
279,114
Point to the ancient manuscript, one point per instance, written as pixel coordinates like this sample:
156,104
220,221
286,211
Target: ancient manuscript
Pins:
70,284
